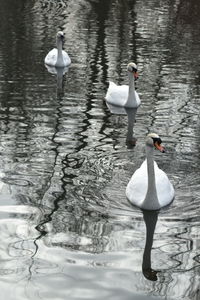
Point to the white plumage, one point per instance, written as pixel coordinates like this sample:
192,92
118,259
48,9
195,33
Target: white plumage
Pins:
149,187
124,95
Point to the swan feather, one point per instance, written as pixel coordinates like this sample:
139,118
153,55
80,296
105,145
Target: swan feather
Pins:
137,187
51,58
118,95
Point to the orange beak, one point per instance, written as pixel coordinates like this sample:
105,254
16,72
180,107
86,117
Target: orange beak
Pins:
159,147
136,75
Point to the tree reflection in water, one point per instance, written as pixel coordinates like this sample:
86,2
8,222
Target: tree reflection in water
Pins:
57,155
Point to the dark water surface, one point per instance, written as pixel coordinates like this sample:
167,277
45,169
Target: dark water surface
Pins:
67,229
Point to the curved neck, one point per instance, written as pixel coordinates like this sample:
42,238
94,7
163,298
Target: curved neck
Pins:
131,91
151,198
59,62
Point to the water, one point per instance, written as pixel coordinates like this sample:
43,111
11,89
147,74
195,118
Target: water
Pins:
67,229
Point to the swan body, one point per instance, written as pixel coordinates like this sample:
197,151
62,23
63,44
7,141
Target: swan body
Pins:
52,59
149,188
56,71
58,57
124,95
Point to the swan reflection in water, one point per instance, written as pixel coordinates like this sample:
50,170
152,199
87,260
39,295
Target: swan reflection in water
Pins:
150,219
59,72
131,114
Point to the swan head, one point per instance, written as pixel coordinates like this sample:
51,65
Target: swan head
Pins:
153,140
60,36
132,68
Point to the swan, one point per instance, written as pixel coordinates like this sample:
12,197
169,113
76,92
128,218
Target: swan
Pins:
58,57
124,95
149,188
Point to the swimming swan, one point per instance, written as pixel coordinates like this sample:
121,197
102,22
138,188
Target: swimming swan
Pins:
58,57
149,187
124,95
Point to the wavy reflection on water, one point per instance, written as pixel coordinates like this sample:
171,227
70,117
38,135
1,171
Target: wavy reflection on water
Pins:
65,163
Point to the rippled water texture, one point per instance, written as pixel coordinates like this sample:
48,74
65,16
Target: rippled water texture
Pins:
67,230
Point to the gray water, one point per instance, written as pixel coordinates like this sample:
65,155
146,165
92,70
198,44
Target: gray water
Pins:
67,229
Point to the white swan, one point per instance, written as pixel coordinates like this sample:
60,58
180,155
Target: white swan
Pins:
58,57
124,95
149,187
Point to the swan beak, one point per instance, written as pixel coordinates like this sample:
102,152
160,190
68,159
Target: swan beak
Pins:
159,147
136,75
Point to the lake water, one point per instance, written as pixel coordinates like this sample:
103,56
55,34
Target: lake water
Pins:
67,229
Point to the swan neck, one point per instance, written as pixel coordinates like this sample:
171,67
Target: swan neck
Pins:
131,90
59,44
151,198
59,62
